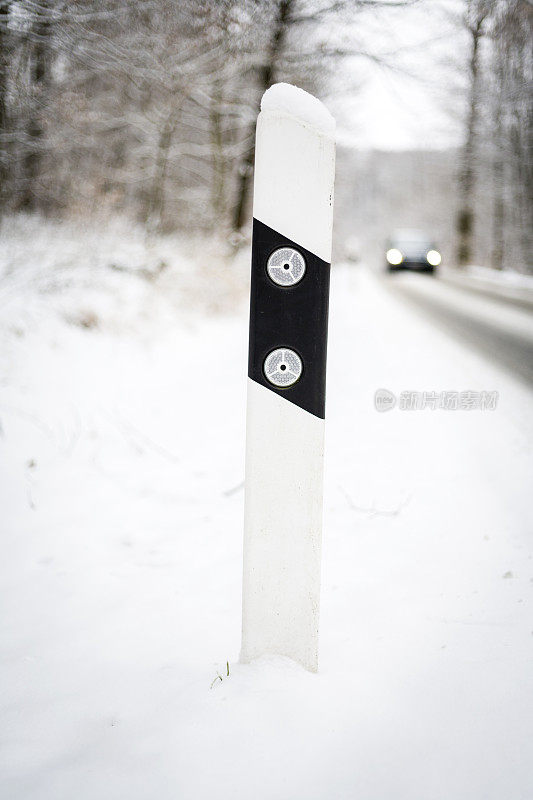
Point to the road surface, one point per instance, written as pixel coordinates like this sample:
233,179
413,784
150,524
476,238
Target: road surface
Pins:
502,331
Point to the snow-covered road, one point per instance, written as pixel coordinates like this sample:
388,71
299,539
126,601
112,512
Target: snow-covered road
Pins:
498,326
121,531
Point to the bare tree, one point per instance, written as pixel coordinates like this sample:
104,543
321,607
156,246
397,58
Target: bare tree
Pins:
150,107
266,75
39,60
474,21
513,59
277,61
5,56
500,164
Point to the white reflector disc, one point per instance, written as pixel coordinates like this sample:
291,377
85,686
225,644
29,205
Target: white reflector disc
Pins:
282,367
286,266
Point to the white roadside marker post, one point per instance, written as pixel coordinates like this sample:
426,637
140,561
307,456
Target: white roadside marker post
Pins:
291,254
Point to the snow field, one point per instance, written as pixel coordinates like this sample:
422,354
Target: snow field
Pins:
121,463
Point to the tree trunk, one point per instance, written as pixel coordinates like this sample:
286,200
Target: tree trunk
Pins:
267,76
4,120
157,195
466,217
498,219
218,187
39,79
498,177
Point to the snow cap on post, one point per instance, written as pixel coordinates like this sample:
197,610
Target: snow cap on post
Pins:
295,196
297,103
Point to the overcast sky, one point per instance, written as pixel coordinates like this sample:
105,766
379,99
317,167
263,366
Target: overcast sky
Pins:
418,105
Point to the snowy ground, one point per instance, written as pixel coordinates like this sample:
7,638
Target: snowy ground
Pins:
122,414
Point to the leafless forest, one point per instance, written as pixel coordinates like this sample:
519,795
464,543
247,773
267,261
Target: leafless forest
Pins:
147,109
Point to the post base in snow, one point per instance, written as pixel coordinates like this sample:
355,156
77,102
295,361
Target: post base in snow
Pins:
283,529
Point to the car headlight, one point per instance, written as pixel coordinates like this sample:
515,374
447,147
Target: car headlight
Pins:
433,257
394,256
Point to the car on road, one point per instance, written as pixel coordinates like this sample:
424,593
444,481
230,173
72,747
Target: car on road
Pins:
411,250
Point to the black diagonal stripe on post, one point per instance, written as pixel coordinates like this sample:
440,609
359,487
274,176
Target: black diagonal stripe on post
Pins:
293,317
